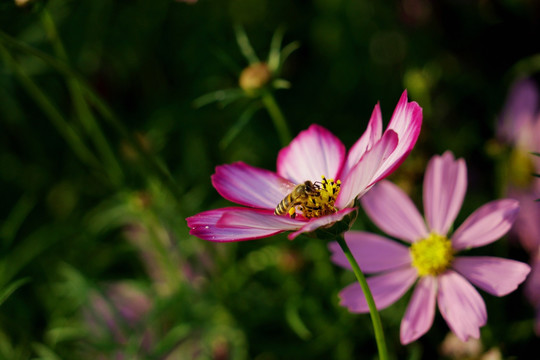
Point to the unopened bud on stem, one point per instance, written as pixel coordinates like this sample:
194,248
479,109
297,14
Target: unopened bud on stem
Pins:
22,3
254,77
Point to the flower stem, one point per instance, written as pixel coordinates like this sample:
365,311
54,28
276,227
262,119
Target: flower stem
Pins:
277,117
375,318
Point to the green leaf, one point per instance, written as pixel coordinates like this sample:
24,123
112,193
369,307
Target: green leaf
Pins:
243,120
295,322
274,56
172,338
16,217
287,51
281,84
10,289
225,97
31,247
245,46
44,352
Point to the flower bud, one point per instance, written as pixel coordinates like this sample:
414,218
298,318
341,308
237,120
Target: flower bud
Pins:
22,3
254,77
454,348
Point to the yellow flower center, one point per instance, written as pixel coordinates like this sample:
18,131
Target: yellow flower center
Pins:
521,167
432,255
321,202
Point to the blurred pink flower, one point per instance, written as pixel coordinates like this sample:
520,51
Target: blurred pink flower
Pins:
519,113
519,127
527,229
532,289
442,277
315,152
527,225
118,315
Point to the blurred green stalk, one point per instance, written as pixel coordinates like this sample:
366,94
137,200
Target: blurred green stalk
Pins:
375,318
81,107
277,117
95,100
13,221
63,127
150,161
174,276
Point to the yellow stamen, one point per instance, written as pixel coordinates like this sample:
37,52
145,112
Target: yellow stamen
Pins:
321,203
432,255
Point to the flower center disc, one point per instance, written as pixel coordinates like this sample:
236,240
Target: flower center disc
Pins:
322,201
432,255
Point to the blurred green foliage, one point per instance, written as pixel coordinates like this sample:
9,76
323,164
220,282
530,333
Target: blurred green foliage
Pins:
103,154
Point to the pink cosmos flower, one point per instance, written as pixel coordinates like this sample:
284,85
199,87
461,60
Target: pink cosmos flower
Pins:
314,153
443,278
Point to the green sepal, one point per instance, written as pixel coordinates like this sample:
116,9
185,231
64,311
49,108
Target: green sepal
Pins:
338,228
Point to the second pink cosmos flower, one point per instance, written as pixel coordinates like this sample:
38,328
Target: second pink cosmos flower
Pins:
314,153
443,278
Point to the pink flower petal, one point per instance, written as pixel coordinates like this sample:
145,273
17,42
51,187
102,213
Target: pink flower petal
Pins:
532,285
497,276
386,290
204,225
445,184
373,253
420,312
487,224
372,134
361,177
406,122
393,212
251,186
532,142
313,153
258,219
519,111
461,306
323,221
527,225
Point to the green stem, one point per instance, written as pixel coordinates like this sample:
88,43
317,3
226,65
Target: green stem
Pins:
375,318
277,117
